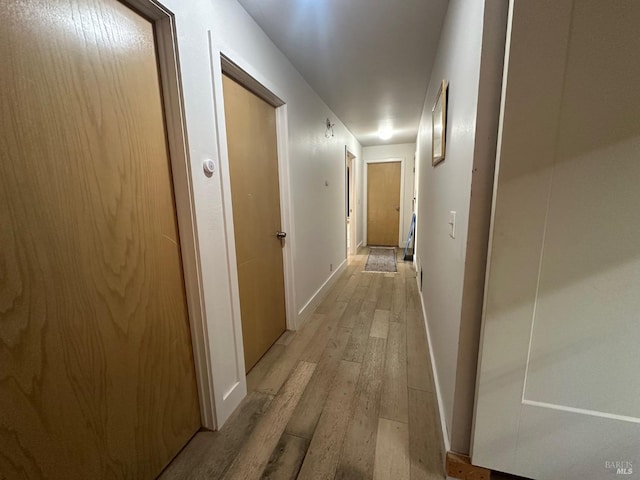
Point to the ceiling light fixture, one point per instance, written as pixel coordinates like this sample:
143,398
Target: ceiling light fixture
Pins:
385,133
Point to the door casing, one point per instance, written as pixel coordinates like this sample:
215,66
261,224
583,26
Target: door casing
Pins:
217,398
253,169
244,74
171,87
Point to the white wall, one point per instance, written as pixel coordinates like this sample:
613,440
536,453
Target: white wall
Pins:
469,57
401,151
204,29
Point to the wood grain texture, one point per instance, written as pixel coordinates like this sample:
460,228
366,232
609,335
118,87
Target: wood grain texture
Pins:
96,367
392,451
286,337
209,454
194,454
328,302
354,267
360,333
398,297
264,366
316,346
306,415
380,324
424,438
255,195
346,423
374,288
256,451
350,314
419,374
358,451
278,374
324,451
394,403
386,291
348,289
286,459
365,279
413,297
383,203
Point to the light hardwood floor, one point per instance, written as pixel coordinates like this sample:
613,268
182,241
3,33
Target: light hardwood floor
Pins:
349,396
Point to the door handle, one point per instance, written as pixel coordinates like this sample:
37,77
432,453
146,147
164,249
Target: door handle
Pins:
281,235
397,209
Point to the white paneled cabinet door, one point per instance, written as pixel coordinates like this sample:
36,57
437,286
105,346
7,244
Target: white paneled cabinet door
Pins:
559,378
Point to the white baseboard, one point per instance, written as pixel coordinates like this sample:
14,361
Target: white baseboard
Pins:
306,311
359,245
443,423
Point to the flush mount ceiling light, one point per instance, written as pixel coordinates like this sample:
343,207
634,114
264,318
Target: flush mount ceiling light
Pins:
385,133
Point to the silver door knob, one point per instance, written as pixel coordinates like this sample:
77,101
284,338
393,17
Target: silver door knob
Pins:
281,235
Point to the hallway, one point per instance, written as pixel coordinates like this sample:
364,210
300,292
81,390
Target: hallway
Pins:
348,396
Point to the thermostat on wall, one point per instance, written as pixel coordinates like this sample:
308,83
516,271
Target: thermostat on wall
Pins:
209,166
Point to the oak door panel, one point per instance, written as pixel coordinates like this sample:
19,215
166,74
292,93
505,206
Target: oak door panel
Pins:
96,367
255,194
383,203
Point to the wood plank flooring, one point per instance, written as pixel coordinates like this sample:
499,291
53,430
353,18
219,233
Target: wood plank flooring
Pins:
348,396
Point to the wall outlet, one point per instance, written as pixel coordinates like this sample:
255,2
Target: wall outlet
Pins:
452,224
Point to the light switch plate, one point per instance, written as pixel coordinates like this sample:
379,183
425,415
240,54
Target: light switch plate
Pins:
452,224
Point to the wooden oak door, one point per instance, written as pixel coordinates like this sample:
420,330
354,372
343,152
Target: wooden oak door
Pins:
255,192
96,369
383,203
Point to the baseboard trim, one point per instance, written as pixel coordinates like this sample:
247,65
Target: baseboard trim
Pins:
306,311
460,466
359,245
443,423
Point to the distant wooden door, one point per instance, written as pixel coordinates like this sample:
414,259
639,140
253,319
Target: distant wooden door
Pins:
383,203
255,194
96,367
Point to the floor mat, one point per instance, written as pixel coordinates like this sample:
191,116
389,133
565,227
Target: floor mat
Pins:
381,259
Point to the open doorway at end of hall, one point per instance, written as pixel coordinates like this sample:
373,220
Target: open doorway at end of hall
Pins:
350,201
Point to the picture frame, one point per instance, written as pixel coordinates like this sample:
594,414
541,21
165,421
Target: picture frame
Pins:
439,125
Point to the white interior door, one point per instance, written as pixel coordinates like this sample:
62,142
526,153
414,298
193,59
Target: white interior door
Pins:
559,384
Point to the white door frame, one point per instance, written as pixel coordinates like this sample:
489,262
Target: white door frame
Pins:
366,195
350,200
231,64
213,359
166,41
244,74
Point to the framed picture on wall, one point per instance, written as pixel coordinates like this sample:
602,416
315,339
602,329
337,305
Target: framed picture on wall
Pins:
439,125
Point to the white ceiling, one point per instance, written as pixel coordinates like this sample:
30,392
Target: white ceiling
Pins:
369,60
